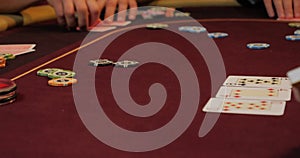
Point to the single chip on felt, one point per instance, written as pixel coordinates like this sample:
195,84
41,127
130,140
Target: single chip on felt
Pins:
100,62
126,63
157,26
292,37
62,74
217,35
62,82
7,56
47,71
192,29
294,24
258,45
2,62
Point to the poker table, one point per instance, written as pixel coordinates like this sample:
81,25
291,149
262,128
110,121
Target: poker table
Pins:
88,120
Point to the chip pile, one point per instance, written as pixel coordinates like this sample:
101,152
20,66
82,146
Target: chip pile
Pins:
58,77
8,92
106,62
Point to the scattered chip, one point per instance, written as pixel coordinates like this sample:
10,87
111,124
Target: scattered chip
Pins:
292,37
7,56
62,82
192,29
62,74
297,32
126,63
2,62
294,24
258,45
100,62
157,26
46,72
217,35
181,14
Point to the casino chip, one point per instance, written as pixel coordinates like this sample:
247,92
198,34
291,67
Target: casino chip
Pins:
46,72
181,14
157,26
62,82
100,62
292,37
258,45
217,35
297,32
62,74
8,56
8,92
294,24
192,29
2,62
126,64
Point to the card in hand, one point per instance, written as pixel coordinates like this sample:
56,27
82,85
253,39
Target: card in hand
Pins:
254,107
254,93
258,81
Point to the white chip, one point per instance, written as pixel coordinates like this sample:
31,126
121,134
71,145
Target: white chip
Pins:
126,63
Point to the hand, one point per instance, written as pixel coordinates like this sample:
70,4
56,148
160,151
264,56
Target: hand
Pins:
284,8
87,12
123,5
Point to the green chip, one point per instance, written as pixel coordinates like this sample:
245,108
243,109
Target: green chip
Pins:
62,74
47,71
7,56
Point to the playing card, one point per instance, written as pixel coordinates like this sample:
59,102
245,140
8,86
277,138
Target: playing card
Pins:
17,49
294,75
101,28
258,81
254,107
116,23
254,93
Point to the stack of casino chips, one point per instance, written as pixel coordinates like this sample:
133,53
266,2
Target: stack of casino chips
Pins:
58,77
8,92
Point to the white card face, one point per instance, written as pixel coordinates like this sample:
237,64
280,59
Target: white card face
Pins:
294,75
253,107
116,23
101,29
258,81
17,49
254,93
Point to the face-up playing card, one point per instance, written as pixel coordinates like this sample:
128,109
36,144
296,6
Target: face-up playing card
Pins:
254,93
101,28
116,23
258,81
236,106
17,49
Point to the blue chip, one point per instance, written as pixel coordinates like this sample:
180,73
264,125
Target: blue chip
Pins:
258,45
292,37
217,35
192,29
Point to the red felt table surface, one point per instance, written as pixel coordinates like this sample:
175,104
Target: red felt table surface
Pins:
44,122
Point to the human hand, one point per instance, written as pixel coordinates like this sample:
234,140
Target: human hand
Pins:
283,8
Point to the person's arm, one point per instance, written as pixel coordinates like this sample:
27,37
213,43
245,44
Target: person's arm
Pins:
12,6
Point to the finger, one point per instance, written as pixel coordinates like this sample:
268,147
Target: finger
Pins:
170,12
94,11
110,10
288,8
133,9
82,13
69,13
101,4
269,8
58,7
123,5
296,4
279,8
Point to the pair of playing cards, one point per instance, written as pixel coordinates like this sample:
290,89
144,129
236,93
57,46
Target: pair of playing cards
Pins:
17,49
107,26
251,95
